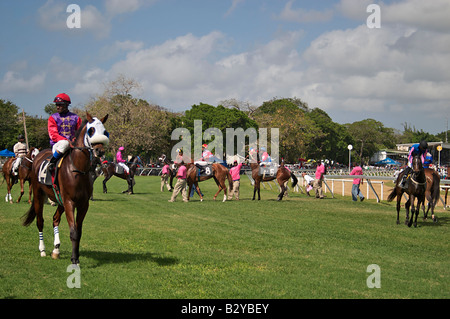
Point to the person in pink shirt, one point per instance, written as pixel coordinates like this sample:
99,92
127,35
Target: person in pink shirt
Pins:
165,173
180,186
234,171
120,161
317,185
357,170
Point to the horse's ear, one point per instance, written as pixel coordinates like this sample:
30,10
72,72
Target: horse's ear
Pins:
89,117
103,120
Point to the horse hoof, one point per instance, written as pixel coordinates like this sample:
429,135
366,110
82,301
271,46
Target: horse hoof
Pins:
43,254
55,255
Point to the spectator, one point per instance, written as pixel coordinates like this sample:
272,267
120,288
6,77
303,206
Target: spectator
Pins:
234,171
180,186
165,174
317,185
357,170
309,182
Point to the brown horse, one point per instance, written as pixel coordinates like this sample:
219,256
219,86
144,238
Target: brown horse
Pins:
109,170
416,189
220,174
75,185
282,175
432,192
23,174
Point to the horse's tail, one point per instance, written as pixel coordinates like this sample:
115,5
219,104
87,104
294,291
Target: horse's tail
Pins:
230,181
435,191
294,180
28,218
392,194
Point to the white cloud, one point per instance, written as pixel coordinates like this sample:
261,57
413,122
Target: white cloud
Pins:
15,82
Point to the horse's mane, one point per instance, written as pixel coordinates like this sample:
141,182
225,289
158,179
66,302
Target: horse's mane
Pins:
78,132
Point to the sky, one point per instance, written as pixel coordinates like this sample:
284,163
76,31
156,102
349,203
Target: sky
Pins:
183,52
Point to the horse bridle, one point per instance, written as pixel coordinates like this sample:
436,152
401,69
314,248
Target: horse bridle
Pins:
90,154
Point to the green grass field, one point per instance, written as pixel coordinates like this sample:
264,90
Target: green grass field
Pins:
141,246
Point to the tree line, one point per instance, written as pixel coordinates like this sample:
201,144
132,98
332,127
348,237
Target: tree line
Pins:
145,128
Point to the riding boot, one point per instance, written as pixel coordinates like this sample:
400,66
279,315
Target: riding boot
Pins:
404,182
51,165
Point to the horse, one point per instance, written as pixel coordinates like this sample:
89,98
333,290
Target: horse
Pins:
432,192
109,170
220,174
416,189
282,175
75,185
23,174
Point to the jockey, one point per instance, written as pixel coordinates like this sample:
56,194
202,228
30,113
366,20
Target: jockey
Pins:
20,150
419,149
206,154
62,127
265,157
428,160
121,161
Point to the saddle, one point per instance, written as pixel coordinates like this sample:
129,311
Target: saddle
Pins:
204,170
119,169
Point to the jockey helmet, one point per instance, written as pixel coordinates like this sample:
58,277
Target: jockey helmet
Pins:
62,98
205,145
423,145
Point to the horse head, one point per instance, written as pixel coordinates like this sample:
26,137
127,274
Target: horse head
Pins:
417,164
33,152
96,136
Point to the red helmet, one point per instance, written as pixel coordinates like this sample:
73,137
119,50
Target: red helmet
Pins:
62,97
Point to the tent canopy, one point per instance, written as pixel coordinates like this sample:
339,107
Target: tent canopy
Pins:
6,153
387,161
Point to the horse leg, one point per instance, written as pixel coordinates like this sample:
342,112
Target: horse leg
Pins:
399,198
407,205
420,201
30,191
107,177
283,189
56,221
21,190
9,185
73,227
413,210
39,208
224,187
199,192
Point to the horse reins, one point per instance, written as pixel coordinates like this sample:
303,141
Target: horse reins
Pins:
76,170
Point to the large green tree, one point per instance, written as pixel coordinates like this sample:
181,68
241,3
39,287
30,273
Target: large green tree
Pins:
370,136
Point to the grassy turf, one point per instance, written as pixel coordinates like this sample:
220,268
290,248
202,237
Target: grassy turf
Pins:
141,246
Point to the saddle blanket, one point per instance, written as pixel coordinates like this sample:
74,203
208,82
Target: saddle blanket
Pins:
268,171
44,174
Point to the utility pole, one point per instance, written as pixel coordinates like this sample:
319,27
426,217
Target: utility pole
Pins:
25,129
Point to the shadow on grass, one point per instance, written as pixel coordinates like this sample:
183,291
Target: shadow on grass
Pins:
106,257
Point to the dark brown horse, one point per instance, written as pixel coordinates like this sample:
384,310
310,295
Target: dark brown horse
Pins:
416,189
75,185
109,170
23,175
220,174
281,174
432,192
